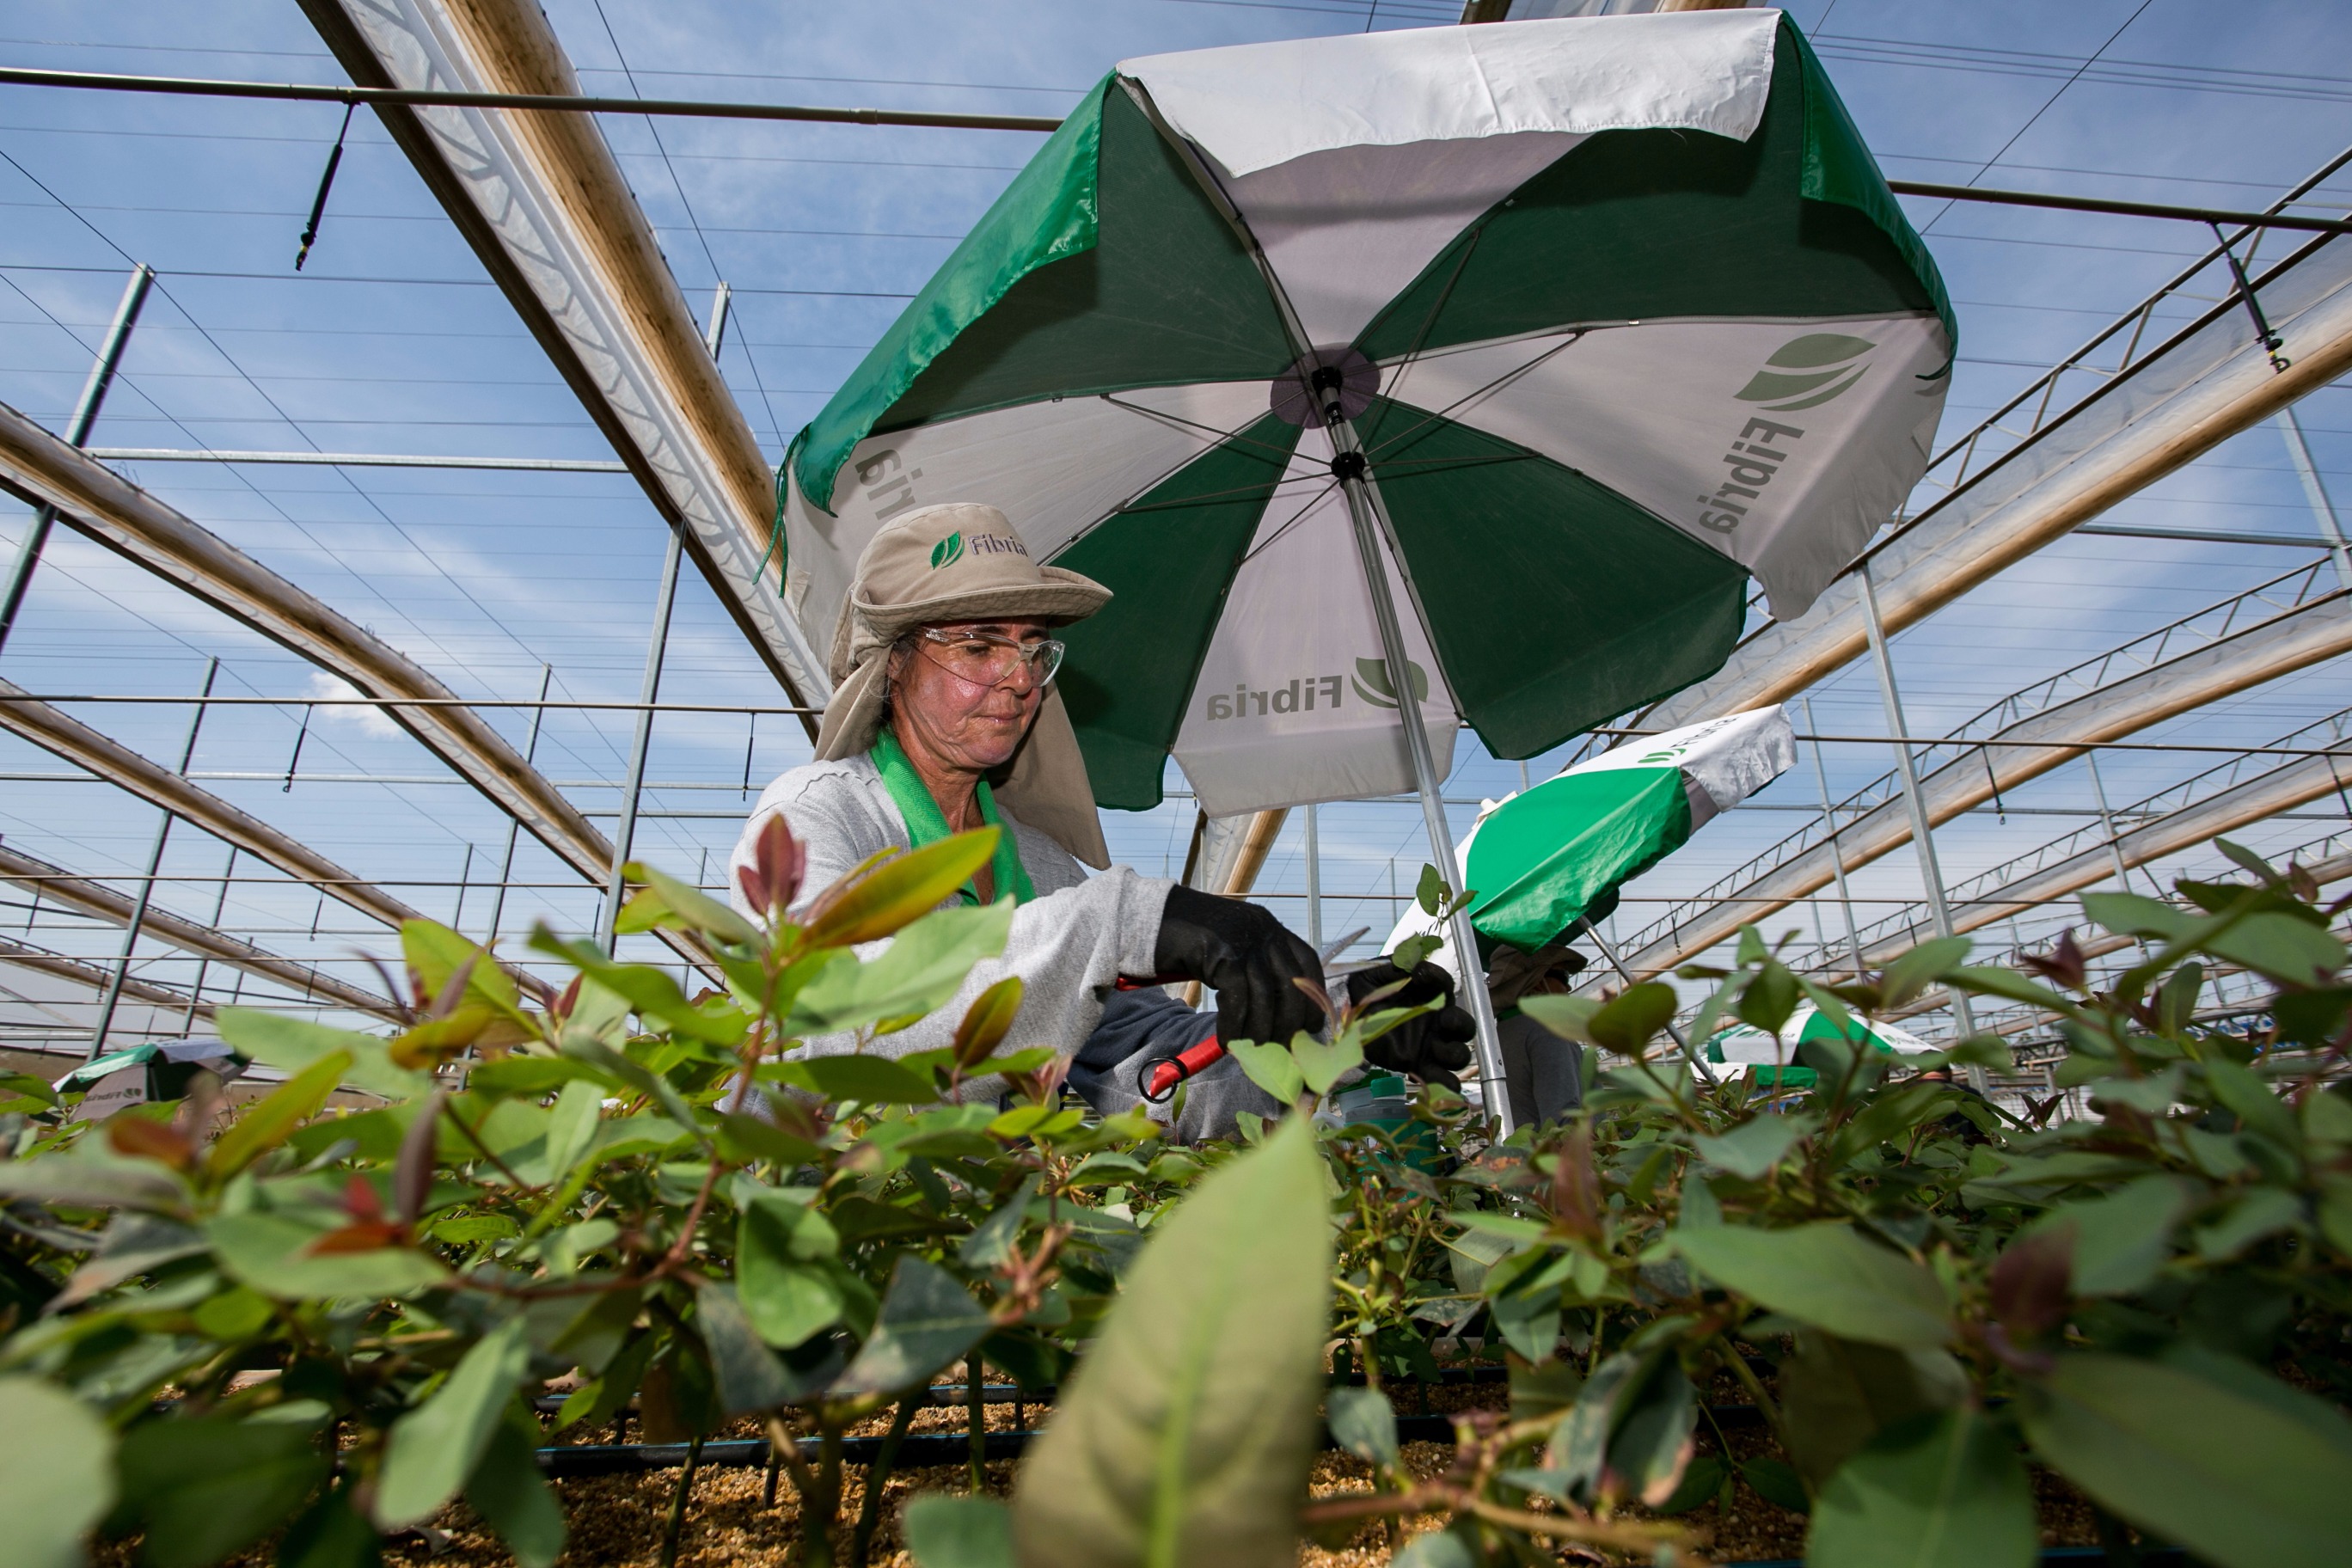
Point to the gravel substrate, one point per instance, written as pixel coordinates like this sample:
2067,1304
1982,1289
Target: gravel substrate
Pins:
616,1521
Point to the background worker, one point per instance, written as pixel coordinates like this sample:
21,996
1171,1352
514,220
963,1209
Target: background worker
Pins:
944,718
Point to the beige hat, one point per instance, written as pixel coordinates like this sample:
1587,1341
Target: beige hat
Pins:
963,562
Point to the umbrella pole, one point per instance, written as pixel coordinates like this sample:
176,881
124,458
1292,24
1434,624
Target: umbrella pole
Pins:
1362,509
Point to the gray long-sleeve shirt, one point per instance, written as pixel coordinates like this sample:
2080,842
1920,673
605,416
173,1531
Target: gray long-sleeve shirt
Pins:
1068,946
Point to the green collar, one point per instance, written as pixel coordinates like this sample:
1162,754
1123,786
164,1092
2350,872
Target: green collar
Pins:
926,824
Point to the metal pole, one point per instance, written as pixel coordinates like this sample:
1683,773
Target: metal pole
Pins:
1837,855
85,416
1922,837
625,837
1365,510
2323,511
514,824
2107,822
147,886
1314,884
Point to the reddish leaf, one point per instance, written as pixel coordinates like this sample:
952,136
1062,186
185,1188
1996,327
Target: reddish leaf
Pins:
1576,1204
2064,964
361,1236
360,1201
412,1176
779,862
1045,1083
2032,1281
142,1139
986,1022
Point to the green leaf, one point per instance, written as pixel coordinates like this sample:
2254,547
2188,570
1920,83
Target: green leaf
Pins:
1322,1065
918,974
273,1118
749,1138
1437,1549
434,1447
91,1175
786,1297
1431,890
2129,914
2290,950
1937,1491
1628,1024
649,992
1777,1482
871,1080
928,1320
1827,1276
893,893
748,1374
2236,1480
1756,1146
1768,1000
332,1533
2122,1238
1578,1448
2245,1095
944,1532
2008,985
290,1045
991,1241
665,900
507,1490
1362,1422
1570,1017
1921,967
207,1486
57,1472
1653,1441
1272,1067
1186,1434
1702,1481
1836,1394
271,1253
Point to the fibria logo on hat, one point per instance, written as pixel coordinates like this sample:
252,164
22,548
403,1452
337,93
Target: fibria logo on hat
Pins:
948,551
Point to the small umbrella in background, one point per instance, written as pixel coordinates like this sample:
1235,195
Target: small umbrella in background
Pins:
1773,1058
1539,863
1400,381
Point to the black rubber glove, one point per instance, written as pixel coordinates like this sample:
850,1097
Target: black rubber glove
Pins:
1244,956
1432,1046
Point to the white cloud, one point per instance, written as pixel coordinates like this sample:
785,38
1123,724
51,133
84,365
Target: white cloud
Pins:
371,722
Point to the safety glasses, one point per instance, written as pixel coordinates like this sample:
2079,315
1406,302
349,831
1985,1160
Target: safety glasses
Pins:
990,658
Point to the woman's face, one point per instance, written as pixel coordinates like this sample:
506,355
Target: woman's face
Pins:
970,725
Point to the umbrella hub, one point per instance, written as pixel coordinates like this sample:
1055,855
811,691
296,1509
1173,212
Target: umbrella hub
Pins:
1309,391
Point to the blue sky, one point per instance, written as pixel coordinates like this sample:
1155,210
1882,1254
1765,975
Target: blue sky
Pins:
393,341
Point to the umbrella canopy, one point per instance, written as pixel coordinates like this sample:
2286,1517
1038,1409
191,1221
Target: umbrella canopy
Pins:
1539,862
1476,367
1774,1057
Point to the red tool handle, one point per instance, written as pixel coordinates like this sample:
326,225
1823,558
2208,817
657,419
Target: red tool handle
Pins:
1167,1073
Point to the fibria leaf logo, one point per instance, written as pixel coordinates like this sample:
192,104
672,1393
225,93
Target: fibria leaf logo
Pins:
1372,682
1824,366
948,551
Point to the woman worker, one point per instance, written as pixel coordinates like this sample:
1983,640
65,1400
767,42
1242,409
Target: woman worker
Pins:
944,718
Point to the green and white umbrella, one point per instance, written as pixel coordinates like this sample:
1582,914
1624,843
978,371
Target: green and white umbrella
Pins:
1464,374
1773,1058
1539,862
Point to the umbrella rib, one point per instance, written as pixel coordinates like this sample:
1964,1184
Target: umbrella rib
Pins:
1292,521
1420,339
1235,436
1477,392
1179,503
